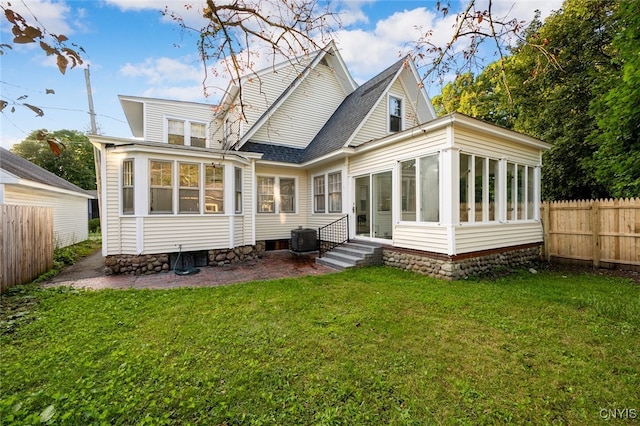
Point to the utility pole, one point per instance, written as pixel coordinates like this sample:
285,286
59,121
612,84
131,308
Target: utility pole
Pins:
92,113
96,152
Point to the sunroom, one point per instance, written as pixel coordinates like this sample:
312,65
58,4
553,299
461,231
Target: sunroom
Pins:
453,186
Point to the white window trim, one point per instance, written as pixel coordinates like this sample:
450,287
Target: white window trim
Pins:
418,195
402,107
325,176
276,194
187,130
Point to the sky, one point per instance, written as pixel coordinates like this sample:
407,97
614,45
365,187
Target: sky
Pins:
132,49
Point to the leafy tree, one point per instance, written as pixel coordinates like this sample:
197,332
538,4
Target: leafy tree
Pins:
617,160
547,89
75,163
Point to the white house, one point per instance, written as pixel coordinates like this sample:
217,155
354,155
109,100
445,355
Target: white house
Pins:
308,147
24,183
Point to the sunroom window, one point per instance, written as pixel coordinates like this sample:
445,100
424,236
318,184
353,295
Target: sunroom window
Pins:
189,190
478,178
127,187
420,187
161,187
214,189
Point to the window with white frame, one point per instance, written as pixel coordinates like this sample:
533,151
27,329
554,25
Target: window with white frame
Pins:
287,195
480,197
198,135
335,192
420,188
318,194
479,177
160,187
184,132
213,189
238,190
276,194
395,114
127,187
188,188
266,195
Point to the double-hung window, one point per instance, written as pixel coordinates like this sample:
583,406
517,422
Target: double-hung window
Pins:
238,190
276,194
318,194
214,189
266,195
161,187
184,132
127,187
287,195
335,192
395,114
189,190
327,192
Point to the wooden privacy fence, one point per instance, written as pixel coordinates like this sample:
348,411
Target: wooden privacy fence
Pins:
26,243
603,233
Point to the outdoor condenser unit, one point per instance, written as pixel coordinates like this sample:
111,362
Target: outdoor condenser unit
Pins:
304,239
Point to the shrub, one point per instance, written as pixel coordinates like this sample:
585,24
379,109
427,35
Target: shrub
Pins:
94,225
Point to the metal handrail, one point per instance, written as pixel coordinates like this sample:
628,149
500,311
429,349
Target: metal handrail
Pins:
332,235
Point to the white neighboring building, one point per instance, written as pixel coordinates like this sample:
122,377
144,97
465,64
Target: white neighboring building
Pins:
24,183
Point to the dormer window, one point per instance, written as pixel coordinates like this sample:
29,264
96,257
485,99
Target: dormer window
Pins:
183,132
395,114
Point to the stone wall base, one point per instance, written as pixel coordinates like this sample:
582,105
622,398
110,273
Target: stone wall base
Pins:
147,264
462,266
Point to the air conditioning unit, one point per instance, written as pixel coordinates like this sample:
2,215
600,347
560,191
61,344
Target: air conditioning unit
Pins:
304,240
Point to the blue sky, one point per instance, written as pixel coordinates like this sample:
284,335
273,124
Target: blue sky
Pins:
132,50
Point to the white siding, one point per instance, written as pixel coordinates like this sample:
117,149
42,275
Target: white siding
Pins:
111,208
492,146
376,125
163,234
470,238
421,237
302,115
70,213
259,92
274,226
385,157
128,242
156,112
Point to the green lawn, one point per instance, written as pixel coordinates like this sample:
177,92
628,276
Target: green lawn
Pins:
368,346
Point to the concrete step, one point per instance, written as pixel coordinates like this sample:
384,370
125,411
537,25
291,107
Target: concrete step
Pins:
333,263
351,254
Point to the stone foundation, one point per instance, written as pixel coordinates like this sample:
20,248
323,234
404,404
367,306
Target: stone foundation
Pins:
462,266
147,264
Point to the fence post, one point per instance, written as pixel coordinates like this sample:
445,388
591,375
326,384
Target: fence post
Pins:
546,217
595,230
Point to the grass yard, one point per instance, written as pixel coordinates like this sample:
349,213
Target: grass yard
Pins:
368,346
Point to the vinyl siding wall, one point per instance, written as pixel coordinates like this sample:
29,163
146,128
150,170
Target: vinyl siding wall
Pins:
376,126
275,226
301,116
485,237
70,213
492,146
259,92
148,234
156,113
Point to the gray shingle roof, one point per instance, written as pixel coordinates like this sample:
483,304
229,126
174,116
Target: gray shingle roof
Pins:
25,169
340,126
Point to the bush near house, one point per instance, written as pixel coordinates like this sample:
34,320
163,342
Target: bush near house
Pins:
367,346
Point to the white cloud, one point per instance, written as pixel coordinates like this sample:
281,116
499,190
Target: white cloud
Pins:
163,70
